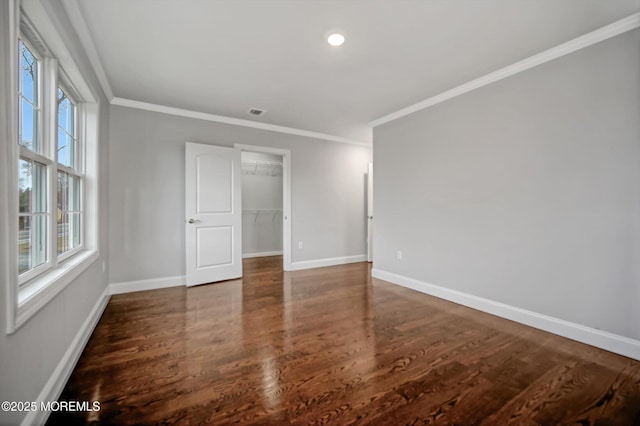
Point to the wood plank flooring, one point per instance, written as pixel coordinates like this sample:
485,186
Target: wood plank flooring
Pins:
334,346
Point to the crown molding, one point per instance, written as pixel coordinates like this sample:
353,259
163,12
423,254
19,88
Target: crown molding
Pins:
80,26
629,23
233,121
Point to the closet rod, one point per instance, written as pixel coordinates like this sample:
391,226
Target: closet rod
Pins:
258,211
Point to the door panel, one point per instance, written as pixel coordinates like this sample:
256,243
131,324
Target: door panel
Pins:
213,214
214,246
213,184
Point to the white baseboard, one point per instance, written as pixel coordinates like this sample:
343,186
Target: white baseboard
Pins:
319,263
150,284
591,336
262,254
54,386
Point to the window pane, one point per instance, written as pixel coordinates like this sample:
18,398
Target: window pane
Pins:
66,130
28,108
39,188
39,235
63,232
75,229
65,113
64,200
74,193
63,192
24,244
28,74
25,185
64,148
28,126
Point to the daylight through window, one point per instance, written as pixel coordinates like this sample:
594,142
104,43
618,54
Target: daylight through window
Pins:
49,165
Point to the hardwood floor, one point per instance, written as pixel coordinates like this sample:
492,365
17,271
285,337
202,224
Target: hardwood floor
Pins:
334,346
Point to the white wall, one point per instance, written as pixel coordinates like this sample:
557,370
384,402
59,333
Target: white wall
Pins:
261,203
146,210
525,192
29,356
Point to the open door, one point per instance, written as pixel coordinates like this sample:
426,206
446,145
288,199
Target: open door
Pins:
213,213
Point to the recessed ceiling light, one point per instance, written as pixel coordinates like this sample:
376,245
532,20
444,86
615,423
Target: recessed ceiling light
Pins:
335,39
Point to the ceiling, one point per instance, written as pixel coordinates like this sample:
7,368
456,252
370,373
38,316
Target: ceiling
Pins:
226,56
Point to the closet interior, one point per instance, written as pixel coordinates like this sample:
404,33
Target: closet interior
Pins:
261,204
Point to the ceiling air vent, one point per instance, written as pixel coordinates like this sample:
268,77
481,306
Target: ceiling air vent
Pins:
256,111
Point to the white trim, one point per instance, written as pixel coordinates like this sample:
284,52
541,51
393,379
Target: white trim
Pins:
26,301
79,25
591,336
230,120
320,263
54,386
286,197
629,23
370,222
37,293
261,254
8,164
143,285
39,17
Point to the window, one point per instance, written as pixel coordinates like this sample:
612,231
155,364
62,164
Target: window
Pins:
69,182
42,156
54,170
33,214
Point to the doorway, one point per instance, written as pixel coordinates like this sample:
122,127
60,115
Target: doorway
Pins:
213,207
266,203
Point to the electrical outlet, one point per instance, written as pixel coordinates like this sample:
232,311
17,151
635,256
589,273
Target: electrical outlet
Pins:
399,255
300,244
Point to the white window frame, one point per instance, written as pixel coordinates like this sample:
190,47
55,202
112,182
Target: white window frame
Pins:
63,83
43,141
28,293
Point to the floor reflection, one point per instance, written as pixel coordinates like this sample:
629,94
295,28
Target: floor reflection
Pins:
332,346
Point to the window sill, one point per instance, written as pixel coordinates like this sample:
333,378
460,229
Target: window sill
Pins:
37,293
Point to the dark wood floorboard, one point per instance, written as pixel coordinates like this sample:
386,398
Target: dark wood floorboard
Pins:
334,346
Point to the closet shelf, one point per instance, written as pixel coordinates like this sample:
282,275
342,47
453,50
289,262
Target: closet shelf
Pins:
263,162
261,167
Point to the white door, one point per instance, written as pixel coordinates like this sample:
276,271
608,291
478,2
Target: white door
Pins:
370,213
213,213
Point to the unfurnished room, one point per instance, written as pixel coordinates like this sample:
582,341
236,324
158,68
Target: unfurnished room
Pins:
367,212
